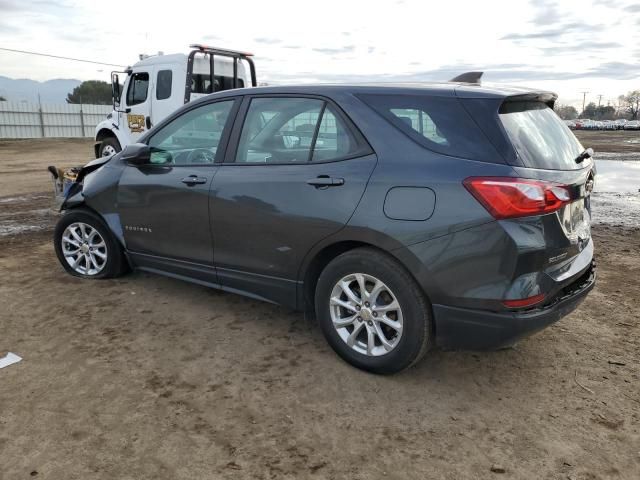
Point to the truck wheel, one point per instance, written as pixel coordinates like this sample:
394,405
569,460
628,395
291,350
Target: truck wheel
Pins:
86,247
109,146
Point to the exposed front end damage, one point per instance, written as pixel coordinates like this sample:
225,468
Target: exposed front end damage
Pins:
67,183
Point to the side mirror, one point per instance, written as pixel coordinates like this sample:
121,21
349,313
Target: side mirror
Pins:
115,90
136,154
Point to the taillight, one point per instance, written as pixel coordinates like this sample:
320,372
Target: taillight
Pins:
506,197
523,302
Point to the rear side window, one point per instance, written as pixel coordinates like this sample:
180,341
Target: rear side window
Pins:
295,130
440,124
540,137
138,87
163,84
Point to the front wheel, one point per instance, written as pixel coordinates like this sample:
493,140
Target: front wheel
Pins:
372,312
86,247
109,146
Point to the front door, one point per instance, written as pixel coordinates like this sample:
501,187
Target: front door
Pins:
137,105
164,206
293,175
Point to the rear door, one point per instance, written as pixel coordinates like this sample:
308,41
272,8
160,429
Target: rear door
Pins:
167,92
293,175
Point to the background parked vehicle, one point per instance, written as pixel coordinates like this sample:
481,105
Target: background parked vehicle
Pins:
154,87
632,125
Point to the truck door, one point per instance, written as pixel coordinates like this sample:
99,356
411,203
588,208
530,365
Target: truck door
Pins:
137,105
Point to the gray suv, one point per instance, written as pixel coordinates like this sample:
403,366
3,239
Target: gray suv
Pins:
405,217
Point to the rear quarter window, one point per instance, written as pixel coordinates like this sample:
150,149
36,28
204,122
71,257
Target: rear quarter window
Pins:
440,124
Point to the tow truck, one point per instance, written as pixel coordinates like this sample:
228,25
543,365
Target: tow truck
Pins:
158,84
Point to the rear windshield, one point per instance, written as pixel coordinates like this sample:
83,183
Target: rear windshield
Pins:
440,124
540,137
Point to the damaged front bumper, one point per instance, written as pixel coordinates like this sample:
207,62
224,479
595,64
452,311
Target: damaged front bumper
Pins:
68,182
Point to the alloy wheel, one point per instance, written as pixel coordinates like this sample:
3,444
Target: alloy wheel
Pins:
366,314
84,249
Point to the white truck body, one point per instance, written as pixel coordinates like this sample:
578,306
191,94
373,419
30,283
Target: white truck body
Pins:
156,86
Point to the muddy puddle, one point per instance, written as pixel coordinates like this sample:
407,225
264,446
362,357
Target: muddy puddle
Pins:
616,196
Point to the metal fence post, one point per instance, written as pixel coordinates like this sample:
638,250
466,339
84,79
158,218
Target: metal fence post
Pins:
41,117
81,121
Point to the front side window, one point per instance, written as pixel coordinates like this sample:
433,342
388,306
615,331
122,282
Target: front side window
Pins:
138,87
293,130
163,84
193,138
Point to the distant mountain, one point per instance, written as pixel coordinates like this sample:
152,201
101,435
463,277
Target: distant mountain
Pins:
51,91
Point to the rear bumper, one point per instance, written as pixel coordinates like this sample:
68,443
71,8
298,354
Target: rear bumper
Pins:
461,328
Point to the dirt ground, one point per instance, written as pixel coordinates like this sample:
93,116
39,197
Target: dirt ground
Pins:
608,141
146,377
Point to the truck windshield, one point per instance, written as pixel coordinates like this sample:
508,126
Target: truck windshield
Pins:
541,139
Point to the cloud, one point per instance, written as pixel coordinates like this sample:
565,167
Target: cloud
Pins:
581,47
16,6
499,72
547,12
268,40
634,8
335,51
556,32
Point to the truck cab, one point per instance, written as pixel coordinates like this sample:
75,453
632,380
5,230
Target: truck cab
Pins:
157,85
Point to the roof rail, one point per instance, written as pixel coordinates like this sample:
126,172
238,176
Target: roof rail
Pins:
468,77
220,51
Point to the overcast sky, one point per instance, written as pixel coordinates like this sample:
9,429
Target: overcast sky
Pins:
566,46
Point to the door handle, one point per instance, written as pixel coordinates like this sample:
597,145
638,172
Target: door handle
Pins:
325,181
194,180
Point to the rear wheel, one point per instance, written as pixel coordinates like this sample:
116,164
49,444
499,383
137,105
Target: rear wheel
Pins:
372,312
109,146
86,247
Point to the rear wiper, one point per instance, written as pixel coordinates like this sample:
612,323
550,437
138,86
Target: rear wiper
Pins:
587,153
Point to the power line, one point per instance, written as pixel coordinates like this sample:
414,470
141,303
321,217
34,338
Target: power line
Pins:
59,57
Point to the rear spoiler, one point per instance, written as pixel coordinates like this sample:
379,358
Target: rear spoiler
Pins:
541,96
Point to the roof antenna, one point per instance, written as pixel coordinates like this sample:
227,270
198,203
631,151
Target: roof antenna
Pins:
468,77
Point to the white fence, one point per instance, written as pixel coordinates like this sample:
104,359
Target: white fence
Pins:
33,120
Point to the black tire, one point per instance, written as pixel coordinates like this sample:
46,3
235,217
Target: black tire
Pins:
109,141
115,264
416,338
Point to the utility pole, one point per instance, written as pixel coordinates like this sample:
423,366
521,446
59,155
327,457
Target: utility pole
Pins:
584,97
600,99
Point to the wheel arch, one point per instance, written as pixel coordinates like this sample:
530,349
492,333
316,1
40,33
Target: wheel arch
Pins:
321,257
102,134
112,221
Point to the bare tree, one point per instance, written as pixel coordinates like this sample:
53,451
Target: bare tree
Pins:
631,103
2,99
